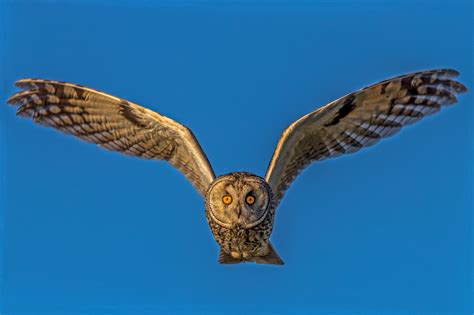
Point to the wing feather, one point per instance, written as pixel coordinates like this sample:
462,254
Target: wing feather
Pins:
358,120
114,124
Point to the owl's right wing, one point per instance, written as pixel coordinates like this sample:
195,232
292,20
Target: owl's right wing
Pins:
114,124
358,120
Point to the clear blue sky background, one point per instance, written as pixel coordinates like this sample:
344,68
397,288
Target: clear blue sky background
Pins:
385,231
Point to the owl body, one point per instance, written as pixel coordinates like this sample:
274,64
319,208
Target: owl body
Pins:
240,207
242,225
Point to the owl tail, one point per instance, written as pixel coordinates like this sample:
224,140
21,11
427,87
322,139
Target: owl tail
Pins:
271,258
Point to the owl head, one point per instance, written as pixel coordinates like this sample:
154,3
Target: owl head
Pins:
238,200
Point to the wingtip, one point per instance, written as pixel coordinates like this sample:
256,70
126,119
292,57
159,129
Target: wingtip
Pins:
452,72
459,87
21,82
20,111
11,100
462,88
442,72
19,96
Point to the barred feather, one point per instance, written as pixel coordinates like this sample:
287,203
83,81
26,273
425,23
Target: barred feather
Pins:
114,124
358,120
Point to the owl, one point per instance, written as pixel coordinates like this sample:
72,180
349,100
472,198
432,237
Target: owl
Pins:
240,206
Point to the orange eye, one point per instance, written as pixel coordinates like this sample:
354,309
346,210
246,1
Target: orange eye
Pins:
227,199
250,199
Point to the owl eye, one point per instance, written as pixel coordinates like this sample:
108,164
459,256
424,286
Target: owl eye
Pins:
227,199
250,199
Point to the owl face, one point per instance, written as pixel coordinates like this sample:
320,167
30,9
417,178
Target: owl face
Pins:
238,200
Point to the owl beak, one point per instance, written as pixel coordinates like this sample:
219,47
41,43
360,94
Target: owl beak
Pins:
239,212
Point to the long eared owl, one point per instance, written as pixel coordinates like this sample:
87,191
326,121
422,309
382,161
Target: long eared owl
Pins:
240,207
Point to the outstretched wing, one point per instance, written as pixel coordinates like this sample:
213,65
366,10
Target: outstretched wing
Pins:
358,120
114,124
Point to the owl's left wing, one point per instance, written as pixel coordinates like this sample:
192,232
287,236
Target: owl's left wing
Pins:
114,124
357,120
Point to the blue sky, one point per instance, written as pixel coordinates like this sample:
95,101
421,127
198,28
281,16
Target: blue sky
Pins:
385,231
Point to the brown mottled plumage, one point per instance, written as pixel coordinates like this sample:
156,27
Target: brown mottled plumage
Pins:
240,207
241,229
359,119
